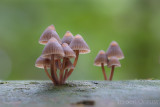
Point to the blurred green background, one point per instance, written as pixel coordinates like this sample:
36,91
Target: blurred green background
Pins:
134,24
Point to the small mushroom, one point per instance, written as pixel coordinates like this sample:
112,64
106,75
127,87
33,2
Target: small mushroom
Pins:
113,62
68,65
67,38
48,34
80,47
114,50
78,44
101,60
53,50
69,53
44,63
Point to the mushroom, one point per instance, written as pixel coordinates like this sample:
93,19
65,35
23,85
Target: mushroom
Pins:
69,53
68,65
48,34
114,50
80,47
113,62
101,60
54,51
67,38
44,63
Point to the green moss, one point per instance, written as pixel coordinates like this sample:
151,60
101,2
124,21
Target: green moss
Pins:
34,83
4,82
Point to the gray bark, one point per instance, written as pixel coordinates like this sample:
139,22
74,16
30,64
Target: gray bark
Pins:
80,93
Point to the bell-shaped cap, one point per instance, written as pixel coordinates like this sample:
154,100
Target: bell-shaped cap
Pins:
113,61
67,38
100,58
114,50
78,43
69,53
41,62
53,48
48,34
68,64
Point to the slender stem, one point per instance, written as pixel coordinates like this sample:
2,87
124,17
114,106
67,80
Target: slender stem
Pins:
103,70
76,59
62,70
65,76
112,72
59,63
53,72
74,64
45,68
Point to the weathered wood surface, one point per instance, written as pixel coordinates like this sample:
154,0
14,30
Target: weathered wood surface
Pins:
80,94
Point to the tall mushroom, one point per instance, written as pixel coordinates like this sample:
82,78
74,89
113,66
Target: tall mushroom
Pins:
114,51
101,60
54,51
69,53
44,63
48,34
67,38
80,47
113,62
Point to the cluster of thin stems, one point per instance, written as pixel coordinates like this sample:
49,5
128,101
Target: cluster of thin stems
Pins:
59,79
104,73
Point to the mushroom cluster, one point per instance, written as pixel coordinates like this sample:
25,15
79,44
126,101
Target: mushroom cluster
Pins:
110,59
57,53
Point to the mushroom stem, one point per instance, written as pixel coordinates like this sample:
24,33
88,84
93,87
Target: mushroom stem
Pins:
59,63
65,76
76,59
62,70
103,70
112,72
74,64
45,68
53,72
